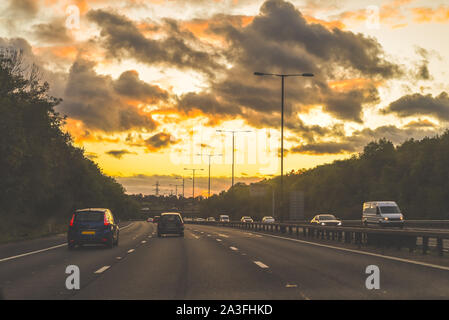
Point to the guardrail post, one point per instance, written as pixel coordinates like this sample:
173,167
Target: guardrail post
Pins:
425,244
358,239
440,246
348,236
411,243
297,232
304,232
339,235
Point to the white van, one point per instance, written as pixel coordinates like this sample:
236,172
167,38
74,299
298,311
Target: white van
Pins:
382,213
224,218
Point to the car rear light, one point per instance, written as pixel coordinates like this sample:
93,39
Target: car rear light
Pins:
71,221
106,221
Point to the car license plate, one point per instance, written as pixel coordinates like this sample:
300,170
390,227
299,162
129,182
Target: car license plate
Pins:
88,232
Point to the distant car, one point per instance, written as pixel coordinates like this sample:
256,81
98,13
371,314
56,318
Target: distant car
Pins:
200,219
156,219
210,219
382,214
223,218
150,220
268,219
187,219
93,226
170,223
326,220
246,219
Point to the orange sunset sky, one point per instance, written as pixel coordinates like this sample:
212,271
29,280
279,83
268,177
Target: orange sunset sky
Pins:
147,84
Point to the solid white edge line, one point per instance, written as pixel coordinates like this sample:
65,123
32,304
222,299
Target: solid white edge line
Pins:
32,252
261,264
364,253
102,269
46,249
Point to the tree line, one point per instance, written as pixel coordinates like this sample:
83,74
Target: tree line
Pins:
43,176
415,174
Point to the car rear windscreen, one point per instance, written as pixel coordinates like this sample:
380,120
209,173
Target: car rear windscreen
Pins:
89,216
170,218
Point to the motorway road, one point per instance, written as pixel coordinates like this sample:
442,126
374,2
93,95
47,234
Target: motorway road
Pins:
211,263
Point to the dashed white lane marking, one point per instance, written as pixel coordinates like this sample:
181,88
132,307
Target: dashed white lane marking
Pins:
33,252
143,241
131,250
118,258
219,240
288,285
102,269
208,235
233,248
223,235
435,266
149,236
260,264
196,237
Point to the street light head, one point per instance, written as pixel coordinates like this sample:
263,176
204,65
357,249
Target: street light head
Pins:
259,73
307,74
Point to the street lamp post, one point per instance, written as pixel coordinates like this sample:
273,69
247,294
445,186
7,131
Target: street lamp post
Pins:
193,181
233,148
283,76
210,156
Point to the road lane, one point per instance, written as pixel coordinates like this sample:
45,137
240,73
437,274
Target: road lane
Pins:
42,275
197,268
326,273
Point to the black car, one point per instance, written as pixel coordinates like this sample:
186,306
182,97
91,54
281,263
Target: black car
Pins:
93,226
170,223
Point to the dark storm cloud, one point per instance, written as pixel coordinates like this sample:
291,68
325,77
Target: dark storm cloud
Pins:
118,153
422,69
207,103
422,105
358,139
23,8
280,32
129,84
92,98
280,40
52,32
159,141
324,148
122,38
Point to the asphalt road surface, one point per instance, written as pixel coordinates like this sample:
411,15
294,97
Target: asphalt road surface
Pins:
210,263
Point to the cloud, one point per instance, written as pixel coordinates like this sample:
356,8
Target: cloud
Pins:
102,103
279,39
122,38
129,85
52,32
159,141
118,153
426,15
358,139
145,184
421,105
